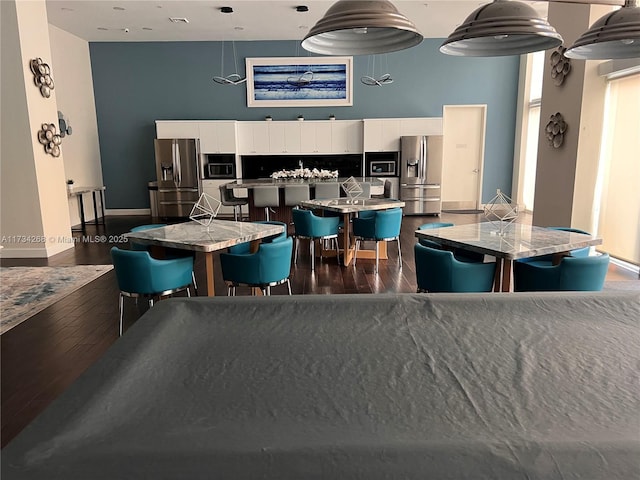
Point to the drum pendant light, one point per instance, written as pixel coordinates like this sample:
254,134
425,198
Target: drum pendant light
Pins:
503,27
359,27
615,35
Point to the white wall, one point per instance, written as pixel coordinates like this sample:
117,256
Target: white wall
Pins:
74,93
35,218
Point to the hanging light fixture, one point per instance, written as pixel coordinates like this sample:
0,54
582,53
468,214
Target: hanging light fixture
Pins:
372,80
504,27
615,35
361,27
234,78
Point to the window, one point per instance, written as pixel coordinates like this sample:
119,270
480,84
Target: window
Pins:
532,113
619,173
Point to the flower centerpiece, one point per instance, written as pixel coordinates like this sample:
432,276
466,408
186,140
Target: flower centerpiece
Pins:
305,173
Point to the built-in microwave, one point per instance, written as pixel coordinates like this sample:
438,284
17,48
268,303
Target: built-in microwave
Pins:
381,164
219,166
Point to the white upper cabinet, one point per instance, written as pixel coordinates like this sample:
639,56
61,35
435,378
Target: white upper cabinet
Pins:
346,136
284,137
421,126
253,137
382,135
315,136
218,137
177,129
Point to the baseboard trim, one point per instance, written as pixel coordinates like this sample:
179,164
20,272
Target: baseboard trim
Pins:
123,212
41,252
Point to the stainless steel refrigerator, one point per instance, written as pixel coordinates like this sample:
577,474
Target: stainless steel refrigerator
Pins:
421,174
178,176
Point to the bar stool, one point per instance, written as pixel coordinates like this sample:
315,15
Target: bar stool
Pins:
228,199
294,194
267,197
327,190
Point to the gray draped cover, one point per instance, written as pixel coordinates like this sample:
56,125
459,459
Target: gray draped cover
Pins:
440,386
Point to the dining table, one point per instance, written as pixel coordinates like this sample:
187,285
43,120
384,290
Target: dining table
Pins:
348,207
206,239
507,243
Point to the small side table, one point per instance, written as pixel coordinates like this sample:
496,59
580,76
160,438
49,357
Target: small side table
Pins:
79,192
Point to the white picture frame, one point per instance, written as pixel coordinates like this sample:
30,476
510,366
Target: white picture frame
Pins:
299,81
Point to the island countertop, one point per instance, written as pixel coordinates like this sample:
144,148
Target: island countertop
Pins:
281,182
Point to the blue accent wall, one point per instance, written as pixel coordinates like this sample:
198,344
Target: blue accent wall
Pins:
138,83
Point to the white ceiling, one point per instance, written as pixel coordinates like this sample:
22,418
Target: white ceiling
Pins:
148,20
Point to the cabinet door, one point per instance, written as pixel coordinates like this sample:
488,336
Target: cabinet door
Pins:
291,136
284,137
421,126
315,136
276,137
382,135
218,137
308,137
253,137
177,129
346,136
323,136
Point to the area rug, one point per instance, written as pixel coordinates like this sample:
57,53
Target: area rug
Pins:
25,291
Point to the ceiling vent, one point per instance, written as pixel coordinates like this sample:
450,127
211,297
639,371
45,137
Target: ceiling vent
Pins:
178,20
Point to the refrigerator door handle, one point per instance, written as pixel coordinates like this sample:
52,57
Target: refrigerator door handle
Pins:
421,169
176,163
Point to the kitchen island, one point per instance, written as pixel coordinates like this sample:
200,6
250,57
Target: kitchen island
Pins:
283,213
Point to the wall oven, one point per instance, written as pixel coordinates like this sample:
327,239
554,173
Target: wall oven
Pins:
218,166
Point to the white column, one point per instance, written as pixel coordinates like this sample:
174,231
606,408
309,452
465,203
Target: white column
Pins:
34,215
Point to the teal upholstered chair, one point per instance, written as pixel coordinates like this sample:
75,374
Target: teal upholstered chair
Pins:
578,252
546,260
312,227
140,228
171,253
268,267
140,275
384,225
571,274
246,246
460,254
428,226
439,271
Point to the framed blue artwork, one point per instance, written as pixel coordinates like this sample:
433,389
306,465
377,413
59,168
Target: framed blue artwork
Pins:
299,81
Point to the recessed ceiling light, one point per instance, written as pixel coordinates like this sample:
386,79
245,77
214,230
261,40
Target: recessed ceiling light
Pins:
226,9
178,20
302,8
103,29
147,28
118,8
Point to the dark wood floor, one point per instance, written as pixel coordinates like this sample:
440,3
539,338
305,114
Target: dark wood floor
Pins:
42,356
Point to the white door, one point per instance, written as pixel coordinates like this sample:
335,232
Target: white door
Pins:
464,137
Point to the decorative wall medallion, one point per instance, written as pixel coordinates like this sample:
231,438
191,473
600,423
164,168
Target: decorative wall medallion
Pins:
42,76
560,65
555,130
48,137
